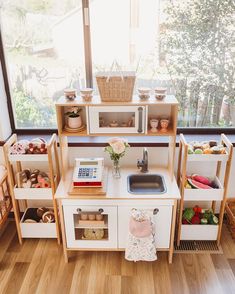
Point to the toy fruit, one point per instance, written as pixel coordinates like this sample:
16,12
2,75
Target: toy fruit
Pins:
198,185
198,151
197,209
207,151
204,221
185,222
190,150
195,220
212,143
215,150
201,179
213,220
188,214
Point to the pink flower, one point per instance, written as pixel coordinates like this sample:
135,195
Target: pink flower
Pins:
118,147
114,140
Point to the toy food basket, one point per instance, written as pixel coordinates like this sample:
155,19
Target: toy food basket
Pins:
116,86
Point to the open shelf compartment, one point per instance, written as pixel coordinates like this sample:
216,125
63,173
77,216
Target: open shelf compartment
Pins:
36,230
205,194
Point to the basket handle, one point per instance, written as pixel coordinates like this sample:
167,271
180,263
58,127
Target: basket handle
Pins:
115,67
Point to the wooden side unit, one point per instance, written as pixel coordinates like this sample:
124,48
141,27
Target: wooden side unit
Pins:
5,200
203,232
14,165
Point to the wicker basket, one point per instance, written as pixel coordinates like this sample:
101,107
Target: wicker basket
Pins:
115,87
230,210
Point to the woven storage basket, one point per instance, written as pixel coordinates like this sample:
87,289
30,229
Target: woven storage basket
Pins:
230,210
114,87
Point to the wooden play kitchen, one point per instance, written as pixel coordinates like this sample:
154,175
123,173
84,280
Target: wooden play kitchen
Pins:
99,221
46,223
199,223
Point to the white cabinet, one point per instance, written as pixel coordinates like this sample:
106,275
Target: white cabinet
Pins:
117,119
162,222
75,229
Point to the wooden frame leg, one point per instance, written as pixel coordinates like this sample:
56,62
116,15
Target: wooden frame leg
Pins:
172,239
63,232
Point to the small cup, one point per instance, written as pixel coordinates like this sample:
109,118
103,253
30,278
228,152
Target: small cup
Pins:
144,92
91,216
86,94
160,93
154,125
84,216
70,93
164,125
99,217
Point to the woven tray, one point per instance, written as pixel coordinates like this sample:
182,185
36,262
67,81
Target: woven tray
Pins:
230,210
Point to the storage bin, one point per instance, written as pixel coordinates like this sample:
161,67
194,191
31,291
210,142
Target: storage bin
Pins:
36,230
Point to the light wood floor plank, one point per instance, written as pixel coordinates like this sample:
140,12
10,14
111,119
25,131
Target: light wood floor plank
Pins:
37,266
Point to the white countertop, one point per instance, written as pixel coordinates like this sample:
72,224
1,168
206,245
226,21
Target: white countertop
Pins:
117,188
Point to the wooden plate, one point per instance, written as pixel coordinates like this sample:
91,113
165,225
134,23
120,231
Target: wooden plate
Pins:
71,130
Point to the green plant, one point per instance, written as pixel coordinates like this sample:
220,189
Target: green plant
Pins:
73,111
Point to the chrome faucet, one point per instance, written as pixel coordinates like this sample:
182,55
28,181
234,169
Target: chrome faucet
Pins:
143,164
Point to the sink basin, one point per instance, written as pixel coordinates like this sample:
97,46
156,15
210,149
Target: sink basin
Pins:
146,184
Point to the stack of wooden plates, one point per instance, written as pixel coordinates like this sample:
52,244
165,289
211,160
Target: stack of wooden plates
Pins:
72,130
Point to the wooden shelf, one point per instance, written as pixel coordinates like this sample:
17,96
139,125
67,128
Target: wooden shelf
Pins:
208,157
34,230
203,232
170,132
75,134
199,232
28,157
168,100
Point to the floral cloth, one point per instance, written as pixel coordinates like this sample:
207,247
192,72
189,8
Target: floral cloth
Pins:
141,243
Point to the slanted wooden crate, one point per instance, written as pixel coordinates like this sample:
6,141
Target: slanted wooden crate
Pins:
230,213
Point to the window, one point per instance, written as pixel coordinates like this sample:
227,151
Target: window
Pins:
43,43
184,45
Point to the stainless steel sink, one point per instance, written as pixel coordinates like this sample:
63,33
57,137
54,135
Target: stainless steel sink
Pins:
146,184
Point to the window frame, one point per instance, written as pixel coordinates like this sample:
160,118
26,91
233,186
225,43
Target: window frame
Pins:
89,83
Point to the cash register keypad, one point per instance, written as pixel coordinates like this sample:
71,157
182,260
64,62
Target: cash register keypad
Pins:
88,173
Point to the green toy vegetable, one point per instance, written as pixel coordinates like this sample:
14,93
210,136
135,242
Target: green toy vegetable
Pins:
188,214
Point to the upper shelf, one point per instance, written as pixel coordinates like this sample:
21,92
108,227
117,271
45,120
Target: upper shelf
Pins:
78,101
28,157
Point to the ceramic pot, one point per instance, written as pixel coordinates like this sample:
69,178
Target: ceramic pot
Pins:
164,125
154,125
74,122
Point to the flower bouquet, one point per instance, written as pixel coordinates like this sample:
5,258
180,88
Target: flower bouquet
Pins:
116,149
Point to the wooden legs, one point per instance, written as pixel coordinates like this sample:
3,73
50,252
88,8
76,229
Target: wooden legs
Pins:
63,232
172,239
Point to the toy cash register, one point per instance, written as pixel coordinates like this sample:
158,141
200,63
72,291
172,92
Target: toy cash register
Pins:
88,172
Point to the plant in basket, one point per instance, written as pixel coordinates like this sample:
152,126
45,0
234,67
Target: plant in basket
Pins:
74,119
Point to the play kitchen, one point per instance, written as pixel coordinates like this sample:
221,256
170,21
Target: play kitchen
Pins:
132,209
95,202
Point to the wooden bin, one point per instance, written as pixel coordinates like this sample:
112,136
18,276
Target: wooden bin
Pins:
230,213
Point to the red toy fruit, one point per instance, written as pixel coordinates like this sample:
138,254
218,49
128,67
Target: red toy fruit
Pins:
195,220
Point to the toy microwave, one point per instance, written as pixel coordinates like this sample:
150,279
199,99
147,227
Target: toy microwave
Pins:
88,172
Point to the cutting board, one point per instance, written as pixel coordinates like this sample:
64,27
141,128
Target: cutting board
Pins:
90,191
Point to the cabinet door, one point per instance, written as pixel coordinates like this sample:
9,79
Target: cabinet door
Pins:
76,229
116,119
162,222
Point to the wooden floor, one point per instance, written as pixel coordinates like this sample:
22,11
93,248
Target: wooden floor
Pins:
38,267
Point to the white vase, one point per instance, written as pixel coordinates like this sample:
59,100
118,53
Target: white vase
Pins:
74,122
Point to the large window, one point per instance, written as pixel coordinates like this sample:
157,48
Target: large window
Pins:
43,42
187,46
